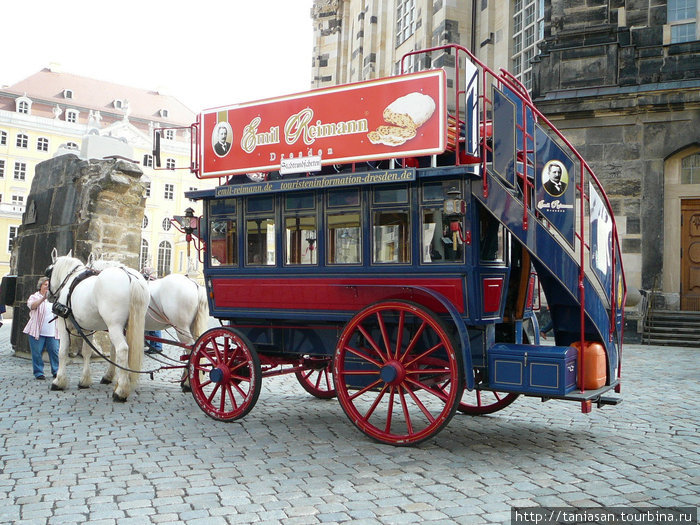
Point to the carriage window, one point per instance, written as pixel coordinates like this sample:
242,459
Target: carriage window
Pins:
390,195
261,204
344,197
222,207
299,201
260,241
223,242
391,243
491,238
343,240
300,240
439,243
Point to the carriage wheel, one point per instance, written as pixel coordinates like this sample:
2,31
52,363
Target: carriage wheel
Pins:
317,380
388,361
224,372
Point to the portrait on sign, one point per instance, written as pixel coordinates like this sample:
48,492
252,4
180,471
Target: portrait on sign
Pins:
222,138
555,178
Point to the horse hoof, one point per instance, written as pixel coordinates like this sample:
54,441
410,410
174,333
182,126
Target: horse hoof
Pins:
117,398
55,388
104,381
83,387
186,388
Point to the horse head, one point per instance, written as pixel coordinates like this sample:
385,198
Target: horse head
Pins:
59,271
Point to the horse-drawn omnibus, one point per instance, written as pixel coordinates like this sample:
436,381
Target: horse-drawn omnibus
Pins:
380,240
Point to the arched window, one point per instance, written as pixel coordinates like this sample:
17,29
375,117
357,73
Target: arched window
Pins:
24,105
164,258
166,224
143,257
690,169
144,223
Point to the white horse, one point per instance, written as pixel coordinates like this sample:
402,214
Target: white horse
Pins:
114,300
175,301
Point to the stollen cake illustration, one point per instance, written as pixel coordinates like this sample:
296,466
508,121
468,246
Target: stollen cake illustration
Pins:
411,110
407,113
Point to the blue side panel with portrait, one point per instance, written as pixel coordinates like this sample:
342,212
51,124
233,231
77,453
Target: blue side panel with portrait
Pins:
601,241
555,187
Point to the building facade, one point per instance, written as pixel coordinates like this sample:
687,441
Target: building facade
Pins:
622,81
620,78
53,112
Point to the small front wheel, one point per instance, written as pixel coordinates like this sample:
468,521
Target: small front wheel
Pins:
389,360
224,373
317,380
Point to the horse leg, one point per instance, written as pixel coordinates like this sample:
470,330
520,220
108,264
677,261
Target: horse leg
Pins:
122,388
185,378
109,374
60,382
86,377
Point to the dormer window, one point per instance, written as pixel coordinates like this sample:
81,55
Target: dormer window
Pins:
164,113
118,103
169,134
67,93
24,105
72,116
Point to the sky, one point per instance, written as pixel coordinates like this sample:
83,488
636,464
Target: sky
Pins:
206,53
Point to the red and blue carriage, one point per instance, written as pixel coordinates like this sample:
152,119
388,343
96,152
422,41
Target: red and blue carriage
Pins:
385,242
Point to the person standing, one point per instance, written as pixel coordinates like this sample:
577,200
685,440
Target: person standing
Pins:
152,347
42,332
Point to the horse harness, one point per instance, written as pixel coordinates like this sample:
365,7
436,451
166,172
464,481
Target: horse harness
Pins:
64,310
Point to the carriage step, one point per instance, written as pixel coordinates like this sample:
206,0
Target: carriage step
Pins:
609,401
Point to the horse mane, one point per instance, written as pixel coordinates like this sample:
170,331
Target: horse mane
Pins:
64,265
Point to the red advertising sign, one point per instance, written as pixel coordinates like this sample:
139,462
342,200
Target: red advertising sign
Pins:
394,117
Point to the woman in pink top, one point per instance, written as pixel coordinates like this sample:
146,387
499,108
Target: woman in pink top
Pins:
42,333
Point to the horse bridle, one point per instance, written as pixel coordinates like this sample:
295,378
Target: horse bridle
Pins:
53,296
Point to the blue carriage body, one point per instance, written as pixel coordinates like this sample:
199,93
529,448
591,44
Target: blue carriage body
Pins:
459,229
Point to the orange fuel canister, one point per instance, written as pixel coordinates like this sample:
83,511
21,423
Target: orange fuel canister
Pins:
594,365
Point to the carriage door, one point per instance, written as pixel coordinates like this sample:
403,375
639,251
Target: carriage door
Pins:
690,254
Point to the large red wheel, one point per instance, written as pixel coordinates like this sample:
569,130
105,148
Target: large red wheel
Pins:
388,361
224,373
317,380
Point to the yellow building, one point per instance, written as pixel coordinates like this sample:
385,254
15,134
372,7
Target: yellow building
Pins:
53,112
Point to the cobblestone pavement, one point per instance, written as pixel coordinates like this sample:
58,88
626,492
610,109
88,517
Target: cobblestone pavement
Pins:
77,457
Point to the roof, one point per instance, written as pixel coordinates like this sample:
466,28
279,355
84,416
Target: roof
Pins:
90,93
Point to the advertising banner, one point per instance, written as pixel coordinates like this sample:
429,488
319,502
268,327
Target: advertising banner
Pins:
601,240
555,187
394,117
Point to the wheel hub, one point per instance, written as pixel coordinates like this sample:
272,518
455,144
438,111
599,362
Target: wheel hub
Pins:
393,373
220,374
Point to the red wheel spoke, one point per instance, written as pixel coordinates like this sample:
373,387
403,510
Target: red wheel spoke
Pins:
420,404
425,354
364,356
385,335
390,411
365,389
437,392
399,334
414,340
406,414
213,392
371,409
232,396
371,342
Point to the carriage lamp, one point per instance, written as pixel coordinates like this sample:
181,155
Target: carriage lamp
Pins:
187,224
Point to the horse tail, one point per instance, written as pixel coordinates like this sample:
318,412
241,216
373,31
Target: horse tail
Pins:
140,297
201,318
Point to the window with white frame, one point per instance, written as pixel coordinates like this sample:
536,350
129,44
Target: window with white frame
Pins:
72,116
18,199
170,164
192,188
690,169
169,134
169,192
147,190
42,144
11,235
166,224
164,258
2,169
67,93
3,138
143,256
148,160
144,222
20,171
22,140
405,20
72,145
528,31
23,107
682,16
